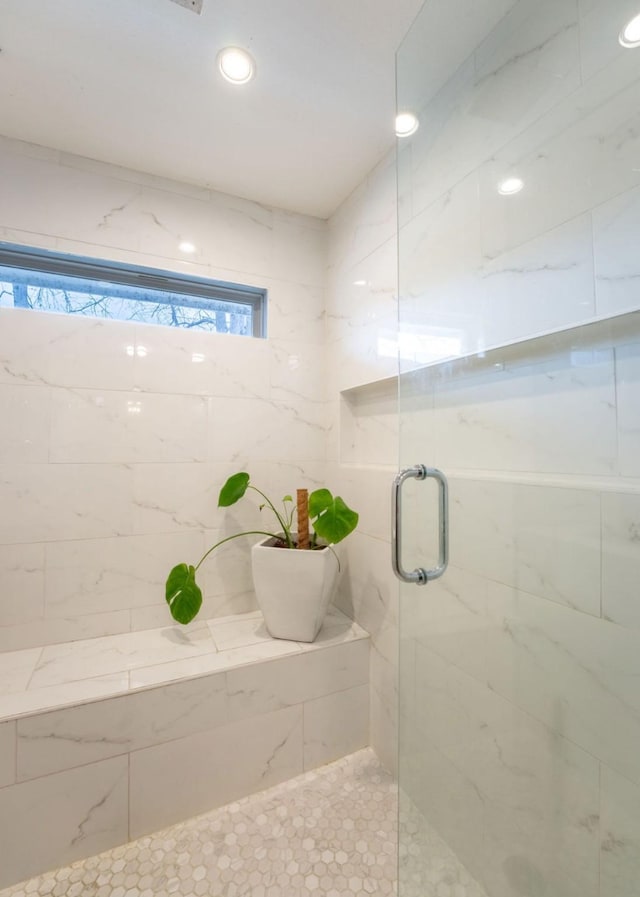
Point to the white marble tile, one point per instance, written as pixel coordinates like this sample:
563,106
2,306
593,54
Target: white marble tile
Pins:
25,415
540,539
21,583
23,339
500,420
364,294
448,141
383,732
507,757
384,695
627,386
295,311
573,672
204,664
333,634
90,576
543,285
197,775
115,213
368,491
293,680
195,363
577,157
63,739
155,616
250,630
369,431
366,220
528,61
527,819
367,354
267,429
620,832
335,725
45,502
615,226
297,371
16,669
59,818
600,24
447,798
299,251
366,592
127,427
239,599
439,310
451,621
43,348
169,498
53,631
7,753
621,558
111,654
24,703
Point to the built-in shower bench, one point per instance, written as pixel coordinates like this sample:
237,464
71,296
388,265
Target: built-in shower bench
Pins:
107,739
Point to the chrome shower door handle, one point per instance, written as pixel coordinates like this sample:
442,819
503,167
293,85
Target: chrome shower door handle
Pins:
419,576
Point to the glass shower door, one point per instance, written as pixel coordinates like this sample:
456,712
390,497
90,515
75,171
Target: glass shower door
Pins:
519,343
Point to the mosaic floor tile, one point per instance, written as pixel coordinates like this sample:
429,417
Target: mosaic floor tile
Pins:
427,866
328,833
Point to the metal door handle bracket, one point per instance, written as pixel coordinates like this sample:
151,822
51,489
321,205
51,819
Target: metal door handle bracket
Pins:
419,576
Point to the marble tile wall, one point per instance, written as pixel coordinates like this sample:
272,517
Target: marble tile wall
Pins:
117,436
363,446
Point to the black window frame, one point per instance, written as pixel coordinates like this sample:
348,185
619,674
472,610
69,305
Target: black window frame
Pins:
200,292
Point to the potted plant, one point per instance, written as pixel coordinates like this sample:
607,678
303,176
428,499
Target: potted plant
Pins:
295,573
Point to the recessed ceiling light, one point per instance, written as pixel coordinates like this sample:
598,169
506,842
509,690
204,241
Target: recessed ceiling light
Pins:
359,283
630,34
510,186
236,65
187,247
406,124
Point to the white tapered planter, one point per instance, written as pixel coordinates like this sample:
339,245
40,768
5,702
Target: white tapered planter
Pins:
294,588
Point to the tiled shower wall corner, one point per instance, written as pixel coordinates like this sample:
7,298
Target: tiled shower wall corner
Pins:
363,449
476,268
117,436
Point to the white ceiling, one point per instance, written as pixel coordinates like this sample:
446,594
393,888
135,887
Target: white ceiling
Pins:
134,83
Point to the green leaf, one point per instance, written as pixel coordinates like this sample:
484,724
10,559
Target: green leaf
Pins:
183,594
233,489
332,519
287,498
319,501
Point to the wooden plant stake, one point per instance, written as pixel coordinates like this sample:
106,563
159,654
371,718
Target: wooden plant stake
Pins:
303,518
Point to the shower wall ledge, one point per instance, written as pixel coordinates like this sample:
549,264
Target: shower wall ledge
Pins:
57,676
606,332
105,740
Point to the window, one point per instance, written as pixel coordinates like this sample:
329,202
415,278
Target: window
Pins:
48,281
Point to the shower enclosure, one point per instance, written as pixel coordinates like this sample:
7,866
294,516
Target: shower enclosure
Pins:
519,258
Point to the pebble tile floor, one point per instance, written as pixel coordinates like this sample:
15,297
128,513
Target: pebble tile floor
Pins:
328,833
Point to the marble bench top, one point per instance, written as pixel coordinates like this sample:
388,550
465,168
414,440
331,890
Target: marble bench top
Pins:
38,679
